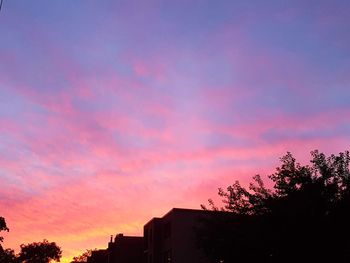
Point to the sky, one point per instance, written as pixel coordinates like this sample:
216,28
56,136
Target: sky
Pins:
114,112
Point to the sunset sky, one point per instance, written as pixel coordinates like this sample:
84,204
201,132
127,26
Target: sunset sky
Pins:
113,112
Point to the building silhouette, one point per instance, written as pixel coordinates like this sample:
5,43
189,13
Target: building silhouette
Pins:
168,239
98,256
125,249
172,238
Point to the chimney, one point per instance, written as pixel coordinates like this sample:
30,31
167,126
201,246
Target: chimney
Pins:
110,244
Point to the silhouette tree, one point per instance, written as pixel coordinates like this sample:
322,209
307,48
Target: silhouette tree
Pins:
3,227
8,256
83,258
92,256
305,217
40,252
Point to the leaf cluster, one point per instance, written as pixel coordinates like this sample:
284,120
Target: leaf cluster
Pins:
307,210
37,252
83,258
3,227
40,252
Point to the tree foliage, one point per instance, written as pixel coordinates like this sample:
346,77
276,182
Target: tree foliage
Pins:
3,227
8,256
83,258
37,252
5,254
305,216
40,252
92,256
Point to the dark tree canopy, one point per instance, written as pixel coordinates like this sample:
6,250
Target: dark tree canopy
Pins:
3,227
304,217
8,256
40,252
83,258
92,256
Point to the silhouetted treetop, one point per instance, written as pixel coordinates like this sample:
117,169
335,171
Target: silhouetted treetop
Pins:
305,215
3,227
331,172
8,256
40,252
330,175
83,258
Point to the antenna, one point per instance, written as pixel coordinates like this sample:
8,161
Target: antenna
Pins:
1,4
